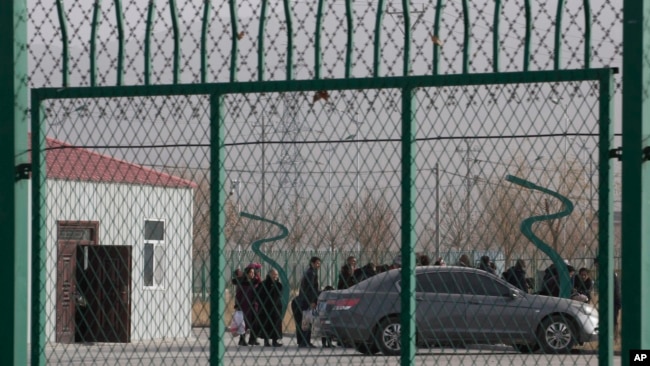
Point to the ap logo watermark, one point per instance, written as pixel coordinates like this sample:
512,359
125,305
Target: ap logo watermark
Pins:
639,357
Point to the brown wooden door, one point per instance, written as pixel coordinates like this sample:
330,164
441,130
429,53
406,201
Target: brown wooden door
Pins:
66,288
70,235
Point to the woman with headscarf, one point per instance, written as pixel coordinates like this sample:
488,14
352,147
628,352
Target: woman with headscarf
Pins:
246,301
270,314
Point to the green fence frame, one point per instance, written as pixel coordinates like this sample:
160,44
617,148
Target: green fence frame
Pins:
407,85
636,170
14,181
635,291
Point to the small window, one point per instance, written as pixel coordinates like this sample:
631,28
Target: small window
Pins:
154,253
154,230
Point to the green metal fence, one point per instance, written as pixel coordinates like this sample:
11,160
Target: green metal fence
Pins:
143,227
333,128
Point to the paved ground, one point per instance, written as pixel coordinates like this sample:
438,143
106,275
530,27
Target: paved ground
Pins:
195,351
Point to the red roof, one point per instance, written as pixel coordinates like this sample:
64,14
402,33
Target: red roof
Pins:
63,161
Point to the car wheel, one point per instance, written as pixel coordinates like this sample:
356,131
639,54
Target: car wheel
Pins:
366,349
388,336
526,348
556,335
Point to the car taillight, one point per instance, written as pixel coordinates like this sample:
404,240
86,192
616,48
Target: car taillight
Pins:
343,304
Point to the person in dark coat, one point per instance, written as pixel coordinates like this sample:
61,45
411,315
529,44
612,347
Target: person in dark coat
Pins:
270,314
425,260
237,280
583,284
365,272
463,261
485,265
246,301
346,278
306,300
516,275
551,284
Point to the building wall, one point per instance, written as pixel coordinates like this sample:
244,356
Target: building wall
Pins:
121,210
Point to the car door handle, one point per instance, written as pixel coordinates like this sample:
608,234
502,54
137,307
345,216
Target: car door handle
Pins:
419,299
475,302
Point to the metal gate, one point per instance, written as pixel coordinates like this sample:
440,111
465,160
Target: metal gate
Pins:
510,166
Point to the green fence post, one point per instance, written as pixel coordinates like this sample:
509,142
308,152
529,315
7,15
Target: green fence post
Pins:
97,8
13,200
436,34
119,24
557,49
151,14
217,235
606,224
63,28
408,232
635,275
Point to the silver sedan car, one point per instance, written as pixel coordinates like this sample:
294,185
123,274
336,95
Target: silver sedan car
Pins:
455,306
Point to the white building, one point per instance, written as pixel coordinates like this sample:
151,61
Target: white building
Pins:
118,249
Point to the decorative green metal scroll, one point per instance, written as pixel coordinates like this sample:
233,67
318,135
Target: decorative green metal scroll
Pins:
526,229
284,232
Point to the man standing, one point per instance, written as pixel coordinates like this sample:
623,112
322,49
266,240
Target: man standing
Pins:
306,300
516,275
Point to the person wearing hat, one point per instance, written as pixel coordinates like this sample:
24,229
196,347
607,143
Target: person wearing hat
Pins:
551,285
516,275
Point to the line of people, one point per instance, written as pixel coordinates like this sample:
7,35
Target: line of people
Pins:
350,274
261,301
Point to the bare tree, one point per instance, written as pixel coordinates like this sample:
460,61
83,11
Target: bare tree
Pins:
330,228
504,206
373,225
298,225
454,230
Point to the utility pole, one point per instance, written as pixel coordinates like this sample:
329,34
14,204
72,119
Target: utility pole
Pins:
468,150
235,189
263,193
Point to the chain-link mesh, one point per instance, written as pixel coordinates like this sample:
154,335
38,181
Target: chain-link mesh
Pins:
47,41
120,251
126,240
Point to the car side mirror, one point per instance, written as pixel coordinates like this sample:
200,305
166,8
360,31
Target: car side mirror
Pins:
514,294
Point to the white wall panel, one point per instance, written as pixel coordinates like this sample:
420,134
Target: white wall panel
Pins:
161,313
